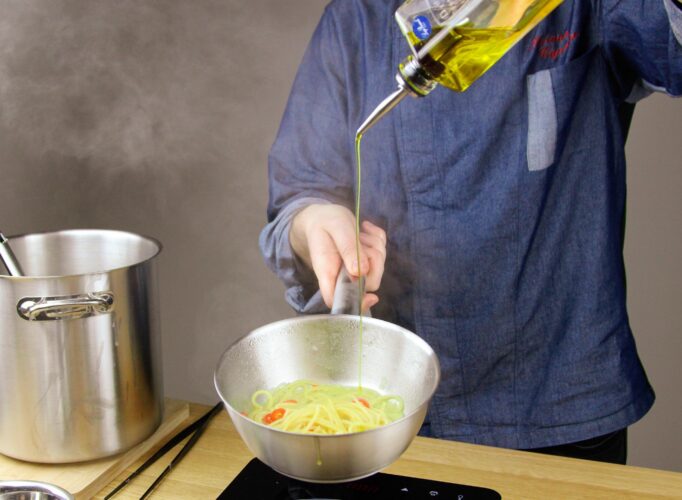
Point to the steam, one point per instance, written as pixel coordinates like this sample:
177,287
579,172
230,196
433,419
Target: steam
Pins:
113,83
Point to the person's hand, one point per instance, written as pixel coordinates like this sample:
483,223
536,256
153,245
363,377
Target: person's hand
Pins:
323,236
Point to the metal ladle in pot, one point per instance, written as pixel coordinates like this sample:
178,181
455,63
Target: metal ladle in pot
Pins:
8,258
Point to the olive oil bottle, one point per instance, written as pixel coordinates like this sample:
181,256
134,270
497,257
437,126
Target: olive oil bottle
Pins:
453,42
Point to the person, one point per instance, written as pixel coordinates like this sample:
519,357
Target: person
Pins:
493,218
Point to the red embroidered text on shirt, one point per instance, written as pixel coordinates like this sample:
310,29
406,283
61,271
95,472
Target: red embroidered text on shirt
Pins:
552,46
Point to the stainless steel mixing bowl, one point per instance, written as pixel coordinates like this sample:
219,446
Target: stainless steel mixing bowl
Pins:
327,349
32,490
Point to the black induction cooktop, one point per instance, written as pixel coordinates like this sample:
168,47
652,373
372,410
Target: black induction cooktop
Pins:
257,481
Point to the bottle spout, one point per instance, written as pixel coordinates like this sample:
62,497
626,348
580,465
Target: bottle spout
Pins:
412,80
384,107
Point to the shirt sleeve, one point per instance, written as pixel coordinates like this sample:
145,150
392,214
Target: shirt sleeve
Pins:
302,292
310,160
643,42
674,10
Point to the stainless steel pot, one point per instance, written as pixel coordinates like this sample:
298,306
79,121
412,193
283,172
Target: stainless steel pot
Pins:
326,348
80,360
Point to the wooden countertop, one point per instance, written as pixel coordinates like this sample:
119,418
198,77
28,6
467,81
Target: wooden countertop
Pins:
220,454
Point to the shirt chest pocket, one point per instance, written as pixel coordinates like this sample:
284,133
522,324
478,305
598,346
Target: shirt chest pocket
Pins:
555,109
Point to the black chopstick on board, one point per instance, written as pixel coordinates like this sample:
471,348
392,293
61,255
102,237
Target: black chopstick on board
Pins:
200,423
188,446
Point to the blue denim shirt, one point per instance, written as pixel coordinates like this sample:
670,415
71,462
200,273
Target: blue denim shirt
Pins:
504,208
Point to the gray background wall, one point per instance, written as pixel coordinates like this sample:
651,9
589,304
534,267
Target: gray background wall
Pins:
156,117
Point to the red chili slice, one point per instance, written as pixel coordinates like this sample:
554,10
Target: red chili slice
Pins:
363,402
277,413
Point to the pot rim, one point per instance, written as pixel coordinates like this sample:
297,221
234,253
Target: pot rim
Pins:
151,239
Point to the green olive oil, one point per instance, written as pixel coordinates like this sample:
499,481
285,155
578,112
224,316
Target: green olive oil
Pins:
361,288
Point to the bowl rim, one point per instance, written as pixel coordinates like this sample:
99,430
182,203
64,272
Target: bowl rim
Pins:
21,485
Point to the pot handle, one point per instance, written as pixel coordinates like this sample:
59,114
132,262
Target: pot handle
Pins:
65,307
346,293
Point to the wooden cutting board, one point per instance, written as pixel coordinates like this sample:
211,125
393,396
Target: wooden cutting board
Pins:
84,479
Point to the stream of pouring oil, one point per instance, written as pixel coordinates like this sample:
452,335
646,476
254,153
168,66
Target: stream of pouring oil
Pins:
361,291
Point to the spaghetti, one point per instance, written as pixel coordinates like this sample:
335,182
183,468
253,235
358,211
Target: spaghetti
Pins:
305,407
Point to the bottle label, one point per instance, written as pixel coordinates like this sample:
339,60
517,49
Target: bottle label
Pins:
442,10
421,27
